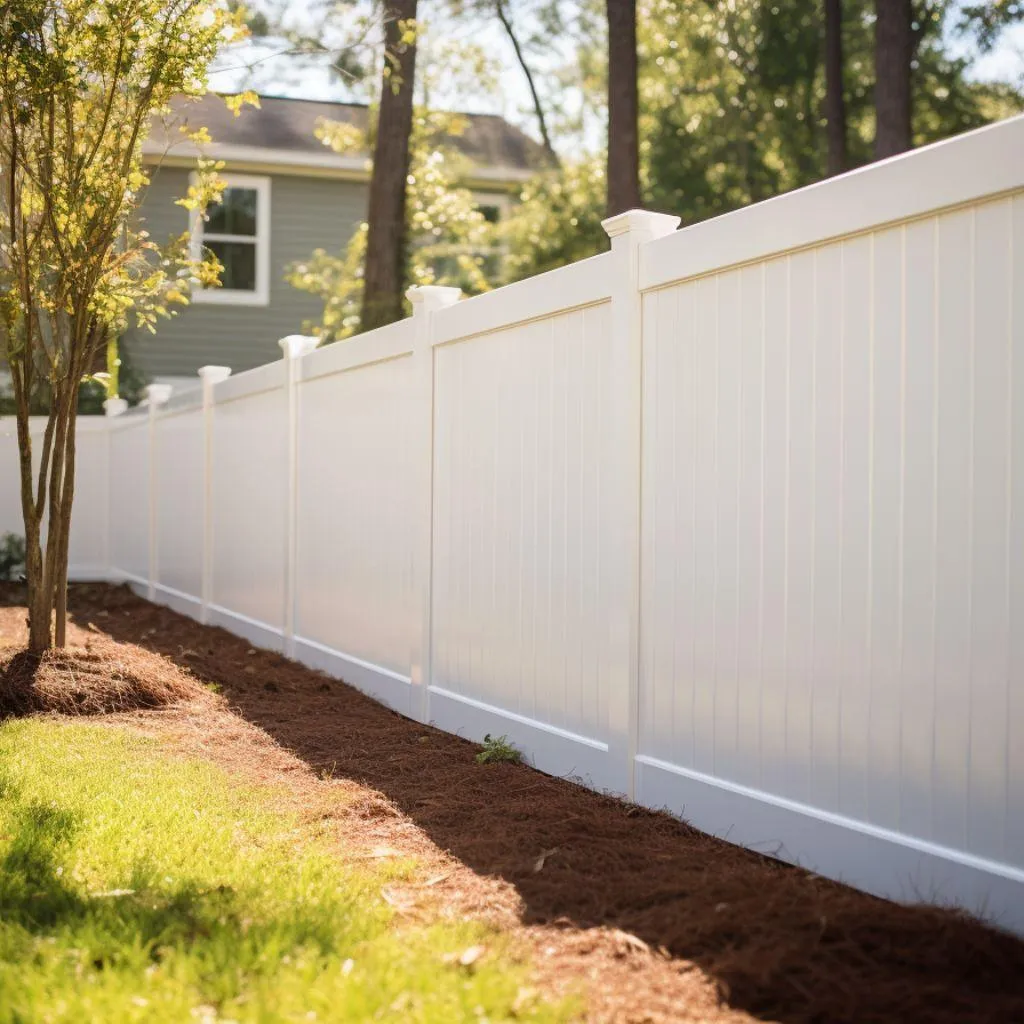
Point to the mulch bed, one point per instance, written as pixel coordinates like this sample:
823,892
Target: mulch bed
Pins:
98,677
657,922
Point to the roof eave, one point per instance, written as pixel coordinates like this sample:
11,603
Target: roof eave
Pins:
326,164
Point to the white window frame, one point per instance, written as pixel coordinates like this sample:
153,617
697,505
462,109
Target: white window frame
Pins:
197,227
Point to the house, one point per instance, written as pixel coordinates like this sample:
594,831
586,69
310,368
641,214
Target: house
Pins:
288,194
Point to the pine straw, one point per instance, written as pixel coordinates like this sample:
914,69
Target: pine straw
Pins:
98,678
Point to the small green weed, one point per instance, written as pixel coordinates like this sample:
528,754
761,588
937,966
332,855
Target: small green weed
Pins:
498,749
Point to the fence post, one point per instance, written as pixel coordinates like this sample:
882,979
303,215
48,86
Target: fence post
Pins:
426,301
209,376
156,396
294,347
628,231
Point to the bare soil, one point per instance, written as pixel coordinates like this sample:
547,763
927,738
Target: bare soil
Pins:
652,920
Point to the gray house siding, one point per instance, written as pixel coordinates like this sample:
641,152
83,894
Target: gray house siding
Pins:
306,213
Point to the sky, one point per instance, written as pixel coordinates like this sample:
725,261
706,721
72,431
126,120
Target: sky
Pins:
267,69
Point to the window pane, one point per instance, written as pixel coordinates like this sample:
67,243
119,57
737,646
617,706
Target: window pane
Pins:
239,260
235,214
492,214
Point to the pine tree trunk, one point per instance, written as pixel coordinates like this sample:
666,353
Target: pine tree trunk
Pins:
384,277
894,50
835,98
623,130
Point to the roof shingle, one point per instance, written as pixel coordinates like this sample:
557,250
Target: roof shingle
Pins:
289,125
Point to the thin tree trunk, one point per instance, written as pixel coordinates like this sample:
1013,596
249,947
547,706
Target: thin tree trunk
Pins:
835,97
623,108
386,240
538,107
894,50
60,585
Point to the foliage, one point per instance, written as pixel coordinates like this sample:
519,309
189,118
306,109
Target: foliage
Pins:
557,220
138,886
12,556
450,240
80,82
988,19
497,749
731,99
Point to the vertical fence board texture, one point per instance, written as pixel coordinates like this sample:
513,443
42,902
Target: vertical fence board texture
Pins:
518,605
354,569
250,459
179,452
129,497
840,423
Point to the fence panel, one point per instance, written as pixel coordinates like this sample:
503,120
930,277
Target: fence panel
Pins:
179,444
828,603
521,516
249,504
88,558
356,610
129,497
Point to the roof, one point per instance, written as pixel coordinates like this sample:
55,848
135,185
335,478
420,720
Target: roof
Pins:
286,126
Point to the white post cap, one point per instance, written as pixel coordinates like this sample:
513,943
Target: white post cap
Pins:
296,345
115,406
644,223
214,374
427,297
158,394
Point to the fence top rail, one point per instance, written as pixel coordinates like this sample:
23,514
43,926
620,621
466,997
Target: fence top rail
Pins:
182,401
583,283
131,417
967,168
268,377
388,342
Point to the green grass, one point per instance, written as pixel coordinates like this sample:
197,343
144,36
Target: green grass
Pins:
139,887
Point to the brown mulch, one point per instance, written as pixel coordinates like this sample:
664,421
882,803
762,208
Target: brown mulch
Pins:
656,921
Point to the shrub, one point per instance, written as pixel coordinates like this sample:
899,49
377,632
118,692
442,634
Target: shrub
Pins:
12,556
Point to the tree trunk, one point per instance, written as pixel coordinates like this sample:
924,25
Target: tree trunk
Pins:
835,97
623,131
384,275
894,50
63,537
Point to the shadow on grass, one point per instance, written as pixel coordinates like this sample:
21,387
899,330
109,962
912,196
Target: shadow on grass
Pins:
148,915
782,944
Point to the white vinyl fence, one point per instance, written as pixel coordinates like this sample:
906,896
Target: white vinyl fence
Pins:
729,520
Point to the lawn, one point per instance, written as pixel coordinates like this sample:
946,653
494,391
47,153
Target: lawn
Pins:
139,886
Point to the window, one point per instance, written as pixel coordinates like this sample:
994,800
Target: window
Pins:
494,206
237,232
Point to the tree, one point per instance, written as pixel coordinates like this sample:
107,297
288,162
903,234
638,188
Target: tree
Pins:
80,82
538,107
835,95
731,110
384,278
450,240
987,20
623,108
894,50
